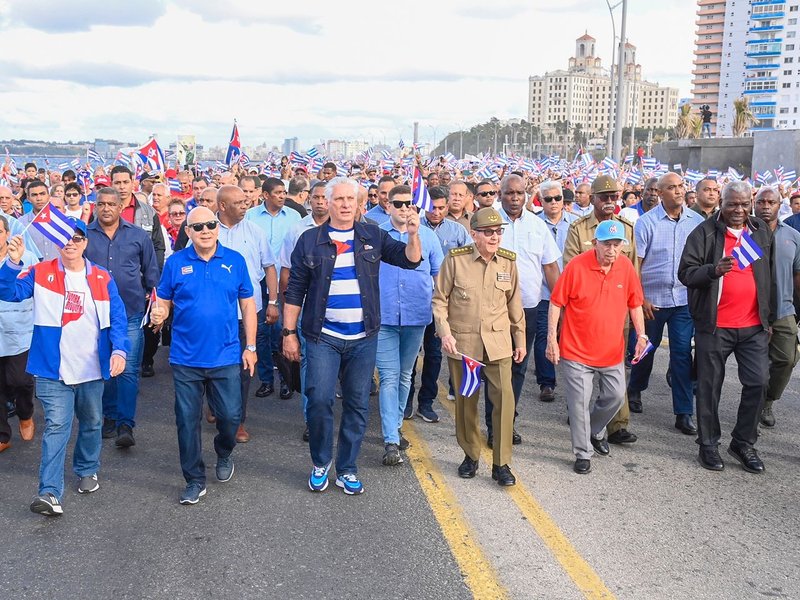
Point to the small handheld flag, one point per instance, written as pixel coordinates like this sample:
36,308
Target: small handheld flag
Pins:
234,147
746,251
471,379
54,225
647,350
419,192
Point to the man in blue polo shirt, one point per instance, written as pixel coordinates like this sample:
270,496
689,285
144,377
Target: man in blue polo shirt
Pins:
205,283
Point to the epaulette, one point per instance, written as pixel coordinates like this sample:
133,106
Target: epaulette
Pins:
461,250
507,254
625,221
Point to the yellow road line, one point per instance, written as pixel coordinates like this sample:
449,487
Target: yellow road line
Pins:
479,574
580,571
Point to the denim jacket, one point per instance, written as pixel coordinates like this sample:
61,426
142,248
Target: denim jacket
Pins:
312,266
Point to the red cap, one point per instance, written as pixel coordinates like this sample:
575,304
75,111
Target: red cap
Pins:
171,173
101,181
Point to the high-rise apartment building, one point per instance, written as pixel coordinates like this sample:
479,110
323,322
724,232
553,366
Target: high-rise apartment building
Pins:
748,48
583,95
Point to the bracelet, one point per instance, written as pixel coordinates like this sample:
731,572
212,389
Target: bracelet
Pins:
644,335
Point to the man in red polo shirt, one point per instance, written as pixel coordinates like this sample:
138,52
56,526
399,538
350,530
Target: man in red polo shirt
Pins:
595,293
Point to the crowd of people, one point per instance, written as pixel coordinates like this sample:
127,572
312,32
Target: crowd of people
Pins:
331,285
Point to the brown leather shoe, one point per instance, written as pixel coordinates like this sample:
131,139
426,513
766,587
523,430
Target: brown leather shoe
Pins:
5,446
26,429
242,437
210,416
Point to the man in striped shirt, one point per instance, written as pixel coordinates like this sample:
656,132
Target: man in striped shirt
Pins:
334,277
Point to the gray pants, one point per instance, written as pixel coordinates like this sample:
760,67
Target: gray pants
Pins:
585,419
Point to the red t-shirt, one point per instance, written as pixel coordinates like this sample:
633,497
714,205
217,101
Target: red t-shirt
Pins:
129,212
595,306
738,303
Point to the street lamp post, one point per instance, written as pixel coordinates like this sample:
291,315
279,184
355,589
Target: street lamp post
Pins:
610,130
620,84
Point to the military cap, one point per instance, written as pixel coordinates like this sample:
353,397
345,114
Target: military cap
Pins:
605,183
486,217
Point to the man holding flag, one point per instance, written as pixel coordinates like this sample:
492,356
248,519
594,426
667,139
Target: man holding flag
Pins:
728,266
477,307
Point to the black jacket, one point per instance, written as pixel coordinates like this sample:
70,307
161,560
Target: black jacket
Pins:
697,271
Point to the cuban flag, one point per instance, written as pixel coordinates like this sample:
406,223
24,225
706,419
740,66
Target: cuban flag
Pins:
746,251
763,178
678,167
734,174
174,185
312,152
75,163
92,155
471,378
86,181
54,225
63,166
297,158
419,192
647,350
789,176
244,160
650,163
122,159
151,157
234,147
401,144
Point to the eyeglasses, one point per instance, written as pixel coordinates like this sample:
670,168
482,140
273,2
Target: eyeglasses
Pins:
72,195
177,214
372,195
492,232
401,203
549,199
78,238
487,194
608,195
212,225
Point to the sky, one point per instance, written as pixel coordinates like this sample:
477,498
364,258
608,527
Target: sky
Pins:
351,69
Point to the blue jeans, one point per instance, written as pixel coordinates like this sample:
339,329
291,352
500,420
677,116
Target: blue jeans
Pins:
431,367
518,370
62,402
681,329
352,362
545,371
398,348
303,367
120,393
267,341
223,388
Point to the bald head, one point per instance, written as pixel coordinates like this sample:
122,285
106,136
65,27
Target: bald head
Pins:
228,194
6,199
200,214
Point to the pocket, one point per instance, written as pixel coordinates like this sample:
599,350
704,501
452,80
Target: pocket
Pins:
312,262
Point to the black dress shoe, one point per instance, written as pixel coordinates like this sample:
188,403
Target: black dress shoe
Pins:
582,466
600,446
125,437
516,439
490,440
109,428
468,468
685,424
623,436
265,390
748,457
306,434
710,459
11,408
148,371
503,475
546,394
635,401
286,393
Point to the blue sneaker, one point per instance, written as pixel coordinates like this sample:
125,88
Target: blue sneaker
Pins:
318,480
350,484
224,469
427,414
193,492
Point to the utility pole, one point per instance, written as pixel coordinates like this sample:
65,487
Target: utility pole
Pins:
620,83
634,111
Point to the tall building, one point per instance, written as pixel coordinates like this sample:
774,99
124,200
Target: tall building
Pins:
582,95
289,146
756,44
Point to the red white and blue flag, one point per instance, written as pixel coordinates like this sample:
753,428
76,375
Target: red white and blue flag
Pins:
746,251
234,147
151,157
419,193
471,378
54,225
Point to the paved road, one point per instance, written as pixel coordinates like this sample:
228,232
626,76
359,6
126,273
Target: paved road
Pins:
648,522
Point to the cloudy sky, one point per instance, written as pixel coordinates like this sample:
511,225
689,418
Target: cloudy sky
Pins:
360,69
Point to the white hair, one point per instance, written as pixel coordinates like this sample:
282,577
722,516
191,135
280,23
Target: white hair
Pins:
340,181
550,184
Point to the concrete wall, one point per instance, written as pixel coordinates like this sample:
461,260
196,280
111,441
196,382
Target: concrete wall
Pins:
776,148
708,153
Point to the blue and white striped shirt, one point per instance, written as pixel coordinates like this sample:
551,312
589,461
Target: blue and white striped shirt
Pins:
344,315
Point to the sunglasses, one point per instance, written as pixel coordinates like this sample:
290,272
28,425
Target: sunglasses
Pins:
73,195
400,203
487,194
491,232
177,214
372,195
212,225
77,239
549,199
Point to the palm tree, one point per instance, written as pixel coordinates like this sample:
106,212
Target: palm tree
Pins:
743,118
687,123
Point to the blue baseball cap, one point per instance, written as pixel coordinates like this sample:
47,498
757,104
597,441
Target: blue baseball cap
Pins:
610,230
78,225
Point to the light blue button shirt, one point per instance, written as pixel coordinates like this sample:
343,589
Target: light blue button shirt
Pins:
290,241
451,234
559,231
377,214
16,318
276,226
249,240
660,241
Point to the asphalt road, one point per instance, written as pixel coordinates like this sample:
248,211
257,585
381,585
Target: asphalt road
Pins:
648,522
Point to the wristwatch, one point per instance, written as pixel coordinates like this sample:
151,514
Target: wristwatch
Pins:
286,332
644,335
273,302
251,348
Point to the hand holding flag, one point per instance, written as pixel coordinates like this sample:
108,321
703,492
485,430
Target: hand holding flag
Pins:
471,376
158,312
746,251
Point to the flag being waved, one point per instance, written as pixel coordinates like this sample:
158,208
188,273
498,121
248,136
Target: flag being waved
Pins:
151,157
419,192
54,225
471,378
234,147
746,251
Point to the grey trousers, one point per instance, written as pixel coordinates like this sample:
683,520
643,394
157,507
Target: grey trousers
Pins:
585,419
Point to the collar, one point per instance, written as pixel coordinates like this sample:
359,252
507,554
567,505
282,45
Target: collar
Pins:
477,255
95,225
192,253
594,265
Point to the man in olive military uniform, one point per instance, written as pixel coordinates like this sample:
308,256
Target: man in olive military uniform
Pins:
477,309
605,195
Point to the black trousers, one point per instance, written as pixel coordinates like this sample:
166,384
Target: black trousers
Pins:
750,347
15,385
